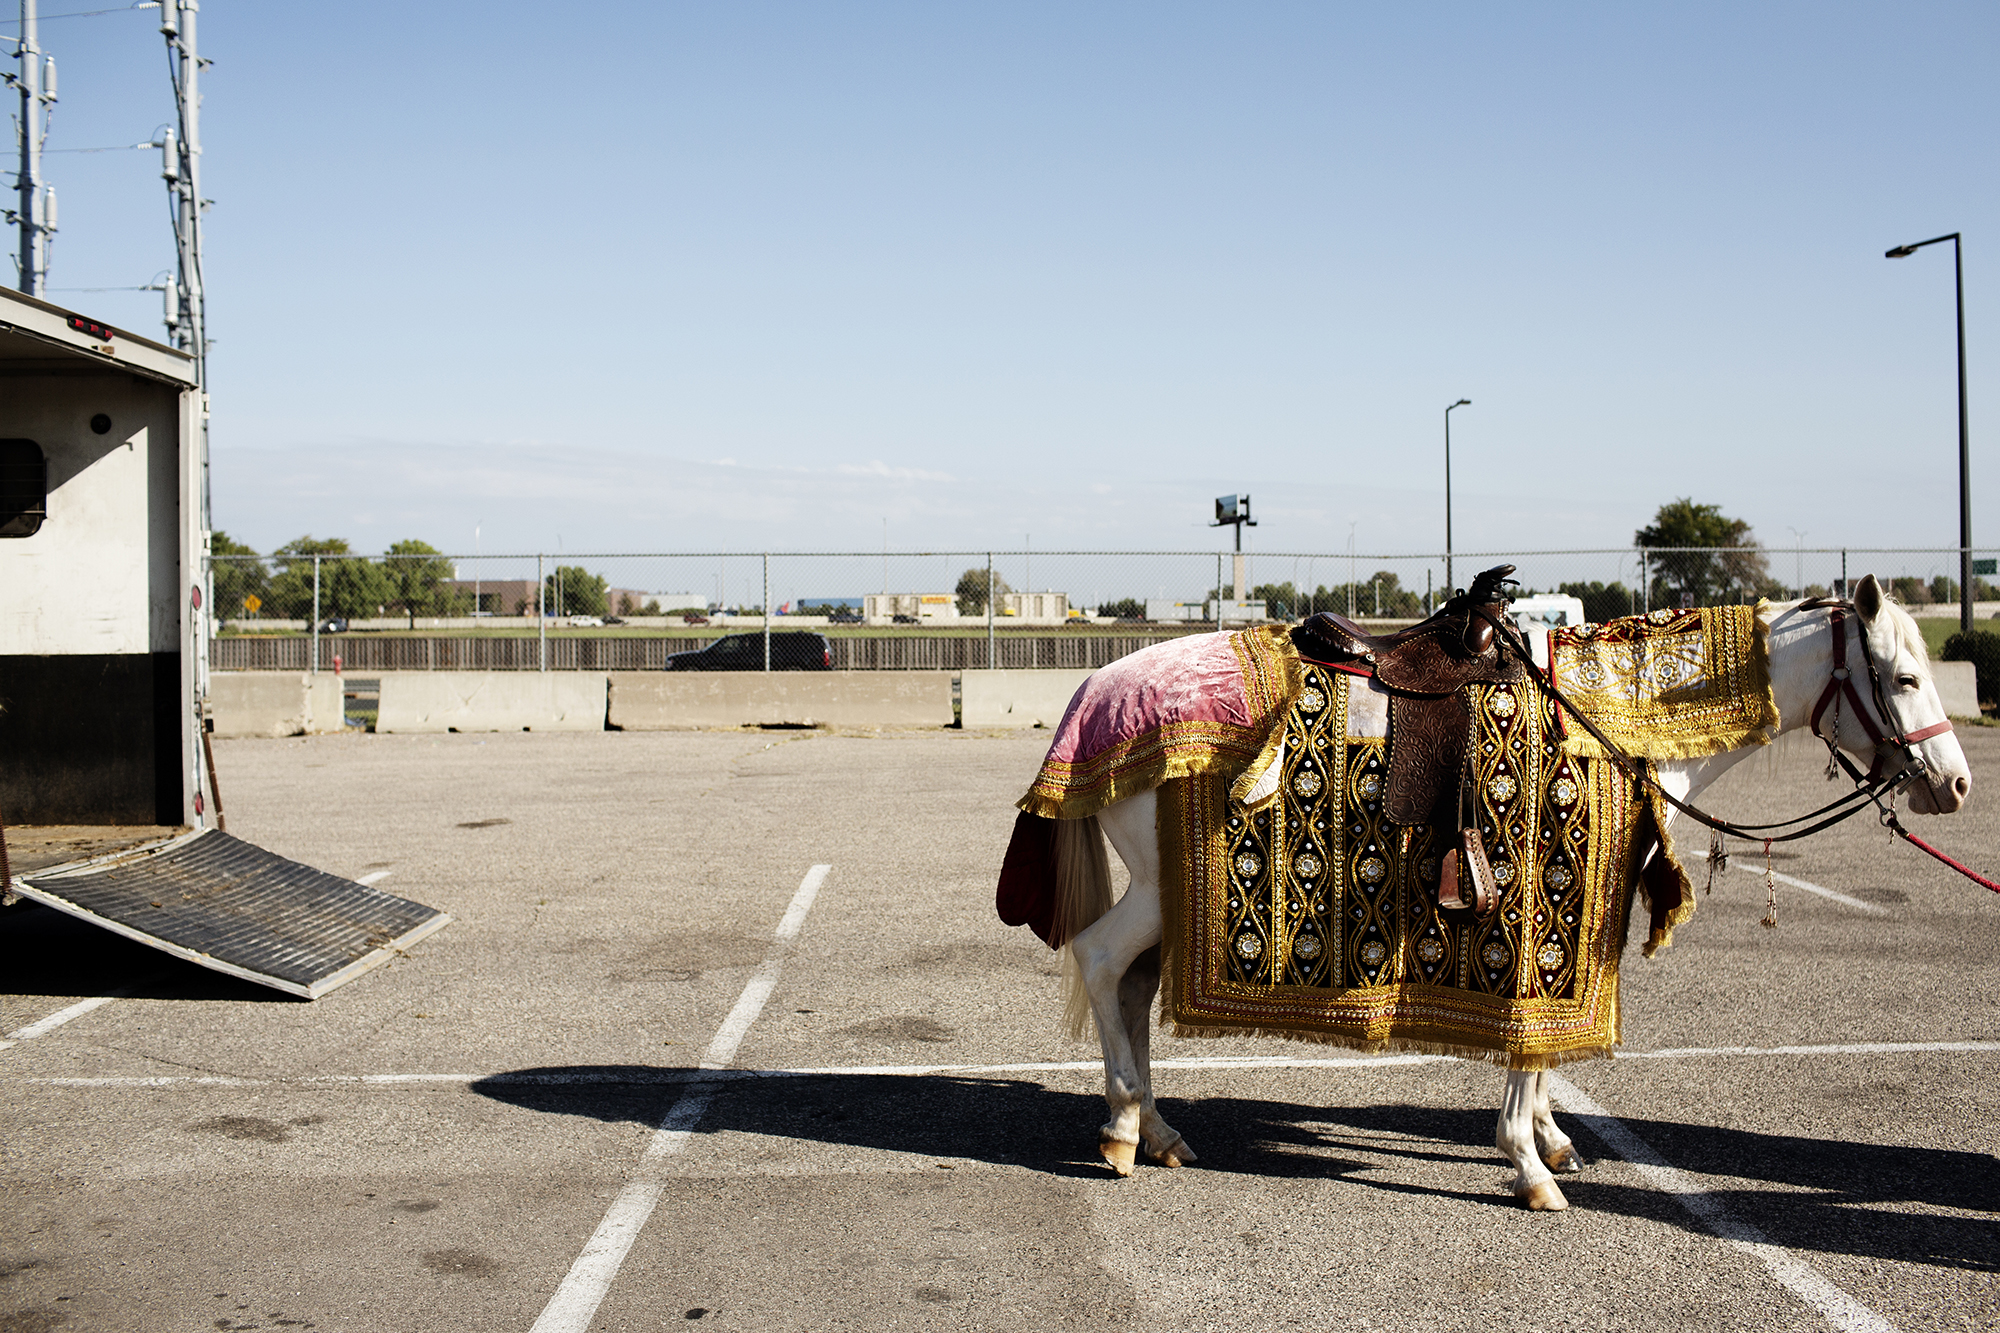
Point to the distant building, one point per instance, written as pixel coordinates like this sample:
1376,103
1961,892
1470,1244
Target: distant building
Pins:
1200,611
1031,607
516,597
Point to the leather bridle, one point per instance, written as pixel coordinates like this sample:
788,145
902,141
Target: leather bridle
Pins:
1841,684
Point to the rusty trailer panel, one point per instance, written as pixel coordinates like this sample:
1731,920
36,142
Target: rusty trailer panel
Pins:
232,906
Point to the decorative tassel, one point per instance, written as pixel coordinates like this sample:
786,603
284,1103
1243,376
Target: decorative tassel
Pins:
1770,921
1718,857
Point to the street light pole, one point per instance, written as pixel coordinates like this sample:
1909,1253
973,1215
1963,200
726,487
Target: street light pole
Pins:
1450,589
1964,436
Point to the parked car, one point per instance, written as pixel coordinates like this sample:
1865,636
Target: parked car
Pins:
693,618
614,620
586,622
791,650
902,620
844,618
334,625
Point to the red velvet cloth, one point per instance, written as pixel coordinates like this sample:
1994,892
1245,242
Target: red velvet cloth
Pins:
1027,893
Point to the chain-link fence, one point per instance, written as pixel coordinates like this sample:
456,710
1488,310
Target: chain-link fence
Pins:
945,609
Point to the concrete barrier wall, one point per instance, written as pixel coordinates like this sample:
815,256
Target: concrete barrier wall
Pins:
275,703
429,701
674,700
1016,698
1958,688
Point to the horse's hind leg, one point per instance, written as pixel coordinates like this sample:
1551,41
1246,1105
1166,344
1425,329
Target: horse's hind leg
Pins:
1163,1143
1515,1137
1105,951
1557,1152
1118,959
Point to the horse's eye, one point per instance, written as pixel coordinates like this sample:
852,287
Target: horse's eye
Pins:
1907,682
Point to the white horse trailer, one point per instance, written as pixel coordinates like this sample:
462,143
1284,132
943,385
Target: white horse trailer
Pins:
102,535
107,801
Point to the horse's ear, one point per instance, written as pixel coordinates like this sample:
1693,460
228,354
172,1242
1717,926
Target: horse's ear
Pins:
1868,599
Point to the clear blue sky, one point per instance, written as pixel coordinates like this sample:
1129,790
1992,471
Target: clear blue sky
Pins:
656,276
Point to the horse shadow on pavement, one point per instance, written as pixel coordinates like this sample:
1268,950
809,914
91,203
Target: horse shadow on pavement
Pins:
1913,1205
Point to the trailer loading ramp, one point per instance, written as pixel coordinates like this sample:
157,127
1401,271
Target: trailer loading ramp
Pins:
231,906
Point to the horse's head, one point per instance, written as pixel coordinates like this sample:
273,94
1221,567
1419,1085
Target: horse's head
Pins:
1902,671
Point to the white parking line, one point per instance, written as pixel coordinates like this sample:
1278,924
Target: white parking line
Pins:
42,1027
374,877
1795,1274
575,1302
1742,862
706,1074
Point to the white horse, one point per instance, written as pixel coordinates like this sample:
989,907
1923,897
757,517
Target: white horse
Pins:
1118,965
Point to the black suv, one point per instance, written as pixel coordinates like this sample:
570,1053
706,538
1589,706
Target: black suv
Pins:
791,650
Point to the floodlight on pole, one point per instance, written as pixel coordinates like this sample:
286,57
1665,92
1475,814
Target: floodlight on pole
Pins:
1233,511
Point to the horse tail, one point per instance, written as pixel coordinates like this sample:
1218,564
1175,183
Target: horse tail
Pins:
1083,894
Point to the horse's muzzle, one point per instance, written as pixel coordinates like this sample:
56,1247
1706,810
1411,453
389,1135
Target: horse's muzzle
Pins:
1939,796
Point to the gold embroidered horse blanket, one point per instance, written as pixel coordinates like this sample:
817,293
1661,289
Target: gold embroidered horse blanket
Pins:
1310,916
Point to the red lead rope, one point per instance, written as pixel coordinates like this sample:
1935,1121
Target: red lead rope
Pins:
1966,871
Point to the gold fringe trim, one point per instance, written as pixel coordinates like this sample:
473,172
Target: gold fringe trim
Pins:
1290,680
1402,1045
1082,805
1679,916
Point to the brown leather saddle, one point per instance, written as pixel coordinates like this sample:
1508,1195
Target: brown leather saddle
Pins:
1426,669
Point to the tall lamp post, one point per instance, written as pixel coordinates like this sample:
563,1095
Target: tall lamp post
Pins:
1964,447
1450,589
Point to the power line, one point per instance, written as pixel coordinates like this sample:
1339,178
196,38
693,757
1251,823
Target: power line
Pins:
114,148
84,13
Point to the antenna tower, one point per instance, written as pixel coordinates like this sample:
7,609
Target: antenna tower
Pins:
35,211
187,294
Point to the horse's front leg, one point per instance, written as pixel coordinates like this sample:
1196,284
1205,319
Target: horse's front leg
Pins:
1515,1137
1557,1152
1105,951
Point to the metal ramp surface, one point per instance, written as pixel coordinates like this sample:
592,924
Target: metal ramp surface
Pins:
234,907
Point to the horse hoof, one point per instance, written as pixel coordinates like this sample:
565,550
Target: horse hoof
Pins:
1564,1161
1175,1154
1543,1197
1120,1156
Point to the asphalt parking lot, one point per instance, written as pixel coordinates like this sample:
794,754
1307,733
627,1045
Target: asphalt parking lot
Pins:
438,1145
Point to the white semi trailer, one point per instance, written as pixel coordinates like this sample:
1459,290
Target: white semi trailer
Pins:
102,537
107,797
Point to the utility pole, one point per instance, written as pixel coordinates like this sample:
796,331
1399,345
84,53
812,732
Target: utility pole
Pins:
181,166
35,212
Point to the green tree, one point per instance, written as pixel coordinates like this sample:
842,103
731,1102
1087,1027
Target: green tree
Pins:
1698,553
238,576
574,591
416,574
1383,588
1602,601
1911,591
972,590
1125,608
350,586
